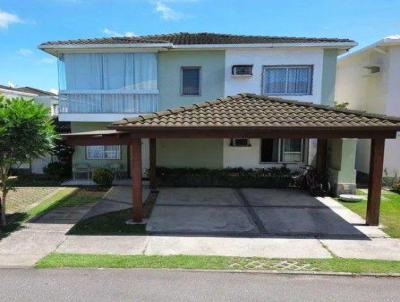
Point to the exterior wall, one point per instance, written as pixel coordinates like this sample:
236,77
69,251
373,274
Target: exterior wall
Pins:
190,153
79,156
169,77
376,93
329,76
249,157
272,56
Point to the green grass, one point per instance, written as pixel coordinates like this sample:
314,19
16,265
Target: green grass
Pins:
108,224
67,197
390,212
56,260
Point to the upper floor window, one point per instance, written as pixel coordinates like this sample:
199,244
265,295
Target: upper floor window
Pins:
108,71
190,80
287,80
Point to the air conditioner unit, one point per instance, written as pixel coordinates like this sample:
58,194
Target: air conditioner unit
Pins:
242,70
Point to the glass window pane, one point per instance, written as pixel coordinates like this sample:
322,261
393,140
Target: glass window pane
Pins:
190,81
275,80
269,150
299,80
291,150
94,152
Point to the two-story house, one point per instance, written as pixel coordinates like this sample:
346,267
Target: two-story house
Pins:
369,80
104,80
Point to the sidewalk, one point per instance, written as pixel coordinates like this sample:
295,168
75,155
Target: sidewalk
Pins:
39,237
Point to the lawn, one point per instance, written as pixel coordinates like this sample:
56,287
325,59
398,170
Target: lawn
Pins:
390,211
55,260
65,197
108,224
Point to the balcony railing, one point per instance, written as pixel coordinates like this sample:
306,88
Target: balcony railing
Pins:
108,101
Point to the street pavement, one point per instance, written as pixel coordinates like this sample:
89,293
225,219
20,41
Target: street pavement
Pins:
177,285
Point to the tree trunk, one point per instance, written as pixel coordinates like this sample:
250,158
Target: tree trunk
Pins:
3,209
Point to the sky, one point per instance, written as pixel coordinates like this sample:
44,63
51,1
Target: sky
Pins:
24,24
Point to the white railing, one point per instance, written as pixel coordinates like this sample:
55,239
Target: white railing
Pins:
108,101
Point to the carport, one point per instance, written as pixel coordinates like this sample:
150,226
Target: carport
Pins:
248,116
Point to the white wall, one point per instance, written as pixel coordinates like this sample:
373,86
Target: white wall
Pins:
375,93
272,56
249,157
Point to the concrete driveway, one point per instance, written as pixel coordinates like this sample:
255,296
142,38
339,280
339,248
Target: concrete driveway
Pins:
251,212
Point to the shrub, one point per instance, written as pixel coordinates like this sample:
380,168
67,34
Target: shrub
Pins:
57,170
229,177
396,186
103,177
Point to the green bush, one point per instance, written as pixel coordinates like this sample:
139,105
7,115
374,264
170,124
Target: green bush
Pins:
57,170
103,177
396,186
230,177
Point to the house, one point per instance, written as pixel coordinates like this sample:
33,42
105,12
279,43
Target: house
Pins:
46,98
41,96
108,79
369,80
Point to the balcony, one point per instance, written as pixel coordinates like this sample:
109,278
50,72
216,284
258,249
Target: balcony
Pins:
105,105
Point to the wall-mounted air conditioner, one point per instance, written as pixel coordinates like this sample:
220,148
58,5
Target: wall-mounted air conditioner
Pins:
242,70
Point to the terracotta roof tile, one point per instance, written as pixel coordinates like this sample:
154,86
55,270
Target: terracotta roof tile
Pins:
249,110
184,38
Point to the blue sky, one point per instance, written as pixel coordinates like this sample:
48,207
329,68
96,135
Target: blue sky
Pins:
25,24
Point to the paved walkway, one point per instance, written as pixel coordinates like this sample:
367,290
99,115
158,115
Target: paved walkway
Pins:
39,237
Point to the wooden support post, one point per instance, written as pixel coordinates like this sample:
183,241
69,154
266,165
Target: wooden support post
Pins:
136,172
375,180
322,149
153,164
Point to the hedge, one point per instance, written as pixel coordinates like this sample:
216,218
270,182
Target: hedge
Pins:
235,178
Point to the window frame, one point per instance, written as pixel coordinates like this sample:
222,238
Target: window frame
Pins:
304,143
87,157
311,84
200,80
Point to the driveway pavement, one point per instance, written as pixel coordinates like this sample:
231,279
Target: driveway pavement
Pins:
254,212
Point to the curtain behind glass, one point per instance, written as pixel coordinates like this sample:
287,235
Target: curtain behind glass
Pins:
275,80
111,71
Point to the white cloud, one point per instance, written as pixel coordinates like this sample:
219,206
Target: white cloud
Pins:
47,61
6,19
113,33
166,12
25,52
10,84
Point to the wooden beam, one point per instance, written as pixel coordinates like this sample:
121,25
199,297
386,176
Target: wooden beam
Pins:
322,147
136,172
375,180
166,132
153,164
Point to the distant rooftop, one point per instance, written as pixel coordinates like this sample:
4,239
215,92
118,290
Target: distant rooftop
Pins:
184,38
28,89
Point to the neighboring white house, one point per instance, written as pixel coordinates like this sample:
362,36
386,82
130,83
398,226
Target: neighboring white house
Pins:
369,79
40,96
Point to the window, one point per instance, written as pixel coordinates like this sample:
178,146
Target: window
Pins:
287,80
240,142
282,150
190,81
103,152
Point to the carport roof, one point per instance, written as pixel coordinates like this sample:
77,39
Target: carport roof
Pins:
256,111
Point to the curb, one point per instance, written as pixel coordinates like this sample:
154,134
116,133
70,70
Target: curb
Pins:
261,272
